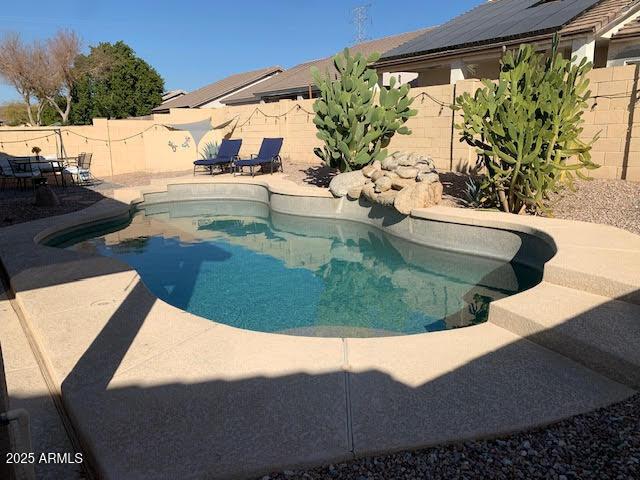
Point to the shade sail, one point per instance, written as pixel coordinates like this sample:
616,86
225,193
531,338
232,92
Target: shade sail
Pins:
196,129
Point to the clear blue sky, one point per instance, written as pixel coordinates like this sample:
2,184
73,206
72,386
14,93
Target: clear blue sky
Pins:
195,42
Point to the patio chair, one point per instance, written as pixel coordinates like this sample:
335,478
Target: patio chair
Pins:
51,164
80,172
6,173
269,154
227,153
22,169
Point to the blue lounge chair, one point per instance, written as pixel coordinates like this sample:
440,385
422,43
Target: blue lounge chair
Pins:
269,154
227,153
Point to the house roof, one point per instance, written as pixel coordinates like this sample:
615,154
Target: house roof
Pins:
218,89
630,30
171,94
597,17
299,78
494,21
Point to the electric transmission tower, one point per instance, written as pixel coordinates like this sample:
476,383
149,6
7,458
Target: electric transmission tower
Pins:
360,19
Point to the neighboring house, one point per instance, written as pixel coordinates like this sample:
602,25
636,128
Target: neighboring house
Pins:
297,83
606,32
171,94
211,96
624,48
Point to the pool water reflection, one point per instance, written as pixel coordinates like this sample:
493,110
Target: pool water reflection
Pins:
238,263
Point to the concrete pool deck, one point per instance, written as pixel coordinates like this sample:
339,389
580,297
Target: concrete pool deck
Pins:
155,392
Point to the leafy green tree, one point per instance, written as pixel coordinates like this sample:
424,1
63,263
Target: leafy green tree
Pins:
526,128
15,113
113,82
355,126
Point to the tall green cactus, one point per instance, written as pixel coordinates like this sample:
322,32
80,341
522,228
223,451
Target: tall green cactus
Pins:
355,126
526,128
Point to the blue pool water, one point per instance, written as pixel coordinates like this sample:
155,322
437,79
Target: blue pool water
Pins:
240,264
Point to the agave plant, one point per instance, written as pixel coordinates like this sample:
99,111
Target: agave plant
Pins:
210,149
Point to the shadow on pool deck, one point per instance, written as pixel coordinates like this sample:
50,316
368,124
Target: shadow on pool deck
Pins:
248,426
210,405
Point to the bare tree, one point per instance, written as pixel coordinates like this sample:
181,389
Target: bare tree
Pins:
46,85
63,50
15,68
42,71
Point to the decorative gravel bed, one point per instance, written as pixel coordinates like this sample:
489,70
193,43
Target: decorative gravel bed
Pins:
612,202
602,445
17,206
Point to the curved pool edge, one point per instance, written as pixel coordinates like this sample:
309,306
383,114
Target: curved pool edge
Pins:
75,334
596,258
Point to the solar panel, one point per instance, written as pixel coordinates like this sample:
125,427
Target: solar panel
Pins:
493,21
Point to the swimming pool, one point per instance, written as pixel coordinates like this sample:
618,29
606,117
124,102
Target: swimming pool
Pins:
239,263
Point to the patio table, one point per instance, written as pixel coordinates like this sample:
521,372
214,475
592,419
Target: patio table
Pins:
45,165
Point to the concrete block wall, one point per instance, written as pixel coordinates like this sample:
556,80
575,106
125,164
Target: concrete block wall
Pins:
153,147
613,115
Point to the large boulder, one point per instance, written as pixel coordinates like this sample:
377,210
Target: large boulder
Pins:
408,160
342,183
387,198
376,175
390,163
370,169
407,172
383,184
45,197
383,198
420,195
428,177
400,183
354,193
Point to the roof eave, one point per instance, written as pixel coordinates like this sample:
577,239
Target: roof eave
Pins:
472,48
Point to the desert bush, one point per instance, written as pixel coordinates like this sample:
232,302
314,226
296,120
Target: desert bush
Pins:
526,128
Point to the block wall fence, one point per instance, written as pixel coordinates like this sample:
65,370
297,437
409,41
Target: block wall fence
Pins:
132,145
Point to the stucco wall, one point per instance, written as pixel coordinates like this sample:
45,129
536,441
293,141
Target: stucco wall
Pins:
152,147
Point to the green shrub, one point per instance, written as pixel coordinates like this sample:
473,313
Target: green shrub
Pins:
355,128
526,128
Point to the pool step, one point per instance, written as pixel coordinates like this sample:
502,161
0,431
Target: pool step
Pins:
599,332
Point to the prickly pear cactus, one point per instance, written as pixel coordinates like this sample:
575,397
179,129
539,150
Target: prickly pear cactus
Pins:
354,116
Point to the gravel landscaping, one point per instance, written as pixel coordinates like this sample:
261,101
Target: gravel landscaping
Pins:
612,202
601,445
